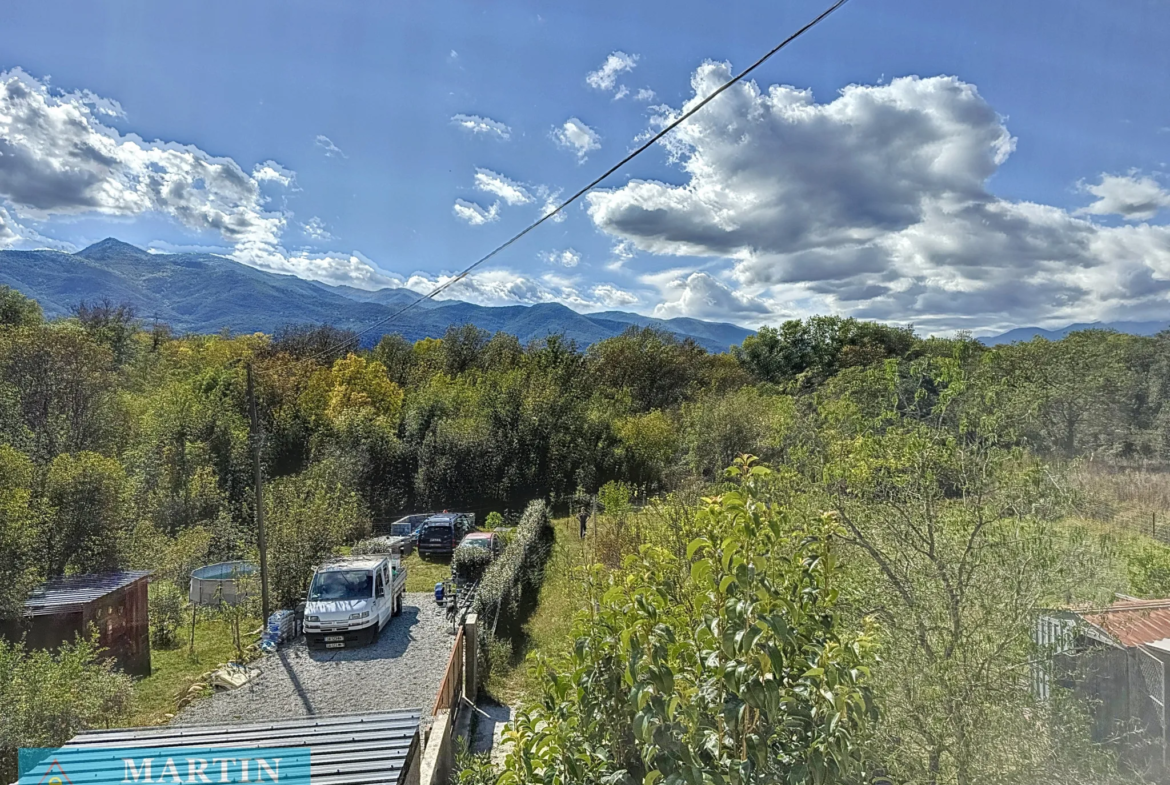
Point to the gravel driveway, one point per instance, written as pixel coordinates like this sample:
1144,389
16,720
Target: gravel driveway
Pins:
401,670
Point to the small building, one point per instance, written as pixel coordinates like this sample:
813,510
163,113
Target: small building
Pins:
115,604
1118,657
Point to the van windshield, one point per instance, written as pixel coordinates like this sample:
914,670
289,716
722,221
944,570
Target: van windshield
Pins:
342,585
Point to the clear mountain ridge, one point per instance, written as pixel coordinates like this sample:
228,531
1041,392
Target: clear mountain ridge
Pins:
205,293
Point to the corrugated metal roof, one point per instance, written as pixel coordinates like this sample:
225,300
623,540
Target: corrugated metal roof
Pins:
65,595
1133,622
352,749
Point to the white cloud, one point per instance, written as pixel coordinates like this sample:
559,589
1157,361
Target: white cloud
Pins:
474,214
644,94
613,297
605,77
57,158
352,270
700,296
506,287
621,93
315,228
482,125
566,258
9,233
551,202
271,171
326,144
512,192
576,136
876,204
1132,197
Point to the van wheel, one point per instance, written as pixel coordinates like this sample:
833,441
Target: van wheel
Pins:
397,609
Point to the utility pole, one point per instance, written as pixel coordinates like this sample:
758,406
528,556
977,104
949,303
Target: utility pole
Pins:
257,440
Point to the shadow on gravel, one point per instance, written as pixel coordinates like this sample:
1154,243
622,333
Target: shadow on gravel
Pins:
391,642
296,682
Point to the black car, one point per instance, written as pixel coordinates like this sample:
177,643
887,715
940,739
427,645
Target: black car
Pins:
439,534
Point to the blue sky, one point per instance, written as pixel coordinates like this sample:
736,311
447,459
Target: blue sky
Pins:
996,163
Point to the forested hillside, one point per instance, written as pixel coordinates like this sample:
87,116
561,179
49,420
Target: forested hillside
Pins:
910,479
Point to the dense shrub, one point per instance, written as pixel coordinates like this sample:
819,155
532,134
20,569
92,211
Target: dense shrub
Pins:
469,562
510,585
47,697
371,546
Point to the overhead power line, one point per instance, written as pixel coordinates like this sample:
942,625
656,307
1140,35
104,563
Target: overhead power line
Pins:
593,184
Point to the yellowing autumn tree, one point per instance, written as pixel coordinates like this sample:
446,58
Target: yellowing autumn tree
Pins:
354,386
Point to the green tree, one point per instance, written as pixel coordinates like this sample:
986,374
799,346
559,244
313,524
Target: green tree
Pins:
46,698
819,346
21,516
729,664
16,310
953,544
88,527
308,517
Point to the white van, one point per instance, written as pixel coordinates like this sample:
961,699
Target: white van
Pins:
351,599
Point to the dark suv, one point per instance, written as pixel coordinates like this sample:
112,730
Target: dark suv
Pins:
439,534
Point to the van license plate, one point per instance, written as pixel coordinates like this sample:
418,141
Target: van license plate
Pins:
333,638
334,645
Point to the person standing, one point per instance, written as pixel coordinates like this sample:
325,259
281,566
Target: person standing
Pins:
582,519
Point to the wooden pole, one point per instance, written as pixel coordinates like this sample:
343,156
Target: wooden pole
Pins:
261,543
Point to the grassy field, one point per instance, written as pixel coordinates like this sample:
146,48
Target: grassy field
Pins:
422,574
173,671
548,630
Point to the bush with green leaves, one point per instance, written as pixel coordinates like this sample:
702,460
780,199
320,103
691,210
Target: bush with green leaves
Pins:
493,521
48,697
727,664
469,562
372,546
509,587
168,610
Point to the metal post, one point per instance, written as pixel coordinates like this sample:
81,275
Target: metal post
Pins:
257,439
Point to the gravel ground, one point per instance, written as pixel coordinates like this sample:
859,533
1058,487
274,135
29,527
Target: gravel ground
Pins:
401,670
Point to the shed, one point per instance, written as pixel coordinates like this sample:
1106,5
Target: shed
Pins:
1118,657
115,603
377,748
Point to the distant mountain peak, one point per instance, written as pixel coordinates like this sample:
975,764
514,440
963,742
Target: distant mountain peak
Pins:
111,246
207,293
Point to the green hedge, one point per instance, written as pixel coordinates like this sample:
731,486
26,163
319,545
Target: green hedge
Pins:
510,585
469,562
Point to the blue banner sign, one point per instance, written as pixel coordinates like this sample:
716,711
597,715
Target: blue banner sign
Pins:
164,765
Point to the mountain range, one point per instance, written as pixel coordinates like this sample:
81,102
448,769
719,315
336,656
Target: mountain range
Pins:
1056,333
205,293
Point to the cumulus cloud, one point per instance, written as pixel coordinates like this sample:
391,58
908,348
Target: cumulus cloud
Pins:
477,125
474,214
271,171
506,287
512,192
58,158
576,136
8,230
605,77
566,258
316,229
613,297
326,144
1133,197
644,94
876,203
701,296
